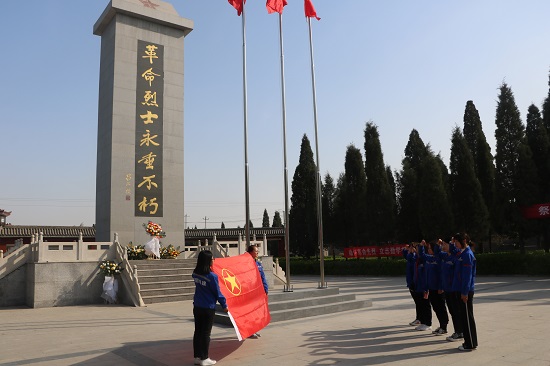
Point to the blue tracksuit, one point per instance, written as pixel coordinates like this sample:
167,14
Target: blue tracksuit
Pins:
262,275
409,269
207,291
432,269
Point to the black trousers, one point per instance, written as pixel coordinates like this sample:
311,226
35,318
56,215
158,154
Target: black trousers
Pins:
204,318
416,306
453,303
468,322
424,309
438,304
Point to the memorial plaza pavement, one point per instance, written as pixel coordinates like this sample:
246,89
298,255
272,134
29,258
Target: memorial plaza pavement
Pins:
512,316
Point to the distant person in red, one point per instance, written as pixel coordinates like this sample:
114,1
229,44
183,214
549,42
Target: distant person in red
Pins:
253,251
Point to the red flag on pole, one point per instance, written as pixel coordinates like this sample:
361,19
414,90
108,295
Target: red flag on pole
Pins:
241,284
310,10
237,4
275,6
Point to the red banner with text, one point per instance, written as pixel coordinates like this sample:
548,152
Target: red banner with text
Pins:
389,250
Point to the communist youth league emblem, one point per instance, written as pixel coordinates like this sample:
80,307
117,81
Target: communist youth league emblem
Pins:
231,282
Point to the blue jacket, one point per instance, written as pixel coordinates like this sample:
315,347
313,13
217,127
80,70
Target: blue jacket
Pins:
432,267
464,271
420,273
447,271
409,271
262,274
207,291
468,271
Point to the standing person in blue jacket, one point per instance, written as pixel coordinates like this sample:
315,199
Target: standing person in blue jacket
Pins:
465,270
207,293
410,255
436,297
422,292
447,254
253,251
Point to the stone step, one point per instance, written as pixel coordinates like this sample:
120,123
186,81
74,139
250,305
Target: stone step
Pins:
164,278
164,263
167,298
166,284
146,293
304,303
164,271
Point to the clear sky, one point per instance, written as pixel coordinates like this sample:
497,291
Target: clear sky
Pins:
401,64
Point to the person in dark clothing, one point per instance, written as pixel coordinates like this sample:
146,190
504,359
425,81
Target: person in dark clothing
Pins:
447,254
465,270
207,293
428,254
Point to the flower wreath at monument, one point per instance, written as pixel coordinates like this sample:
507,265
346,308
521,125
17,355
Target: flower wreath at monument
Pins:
154,229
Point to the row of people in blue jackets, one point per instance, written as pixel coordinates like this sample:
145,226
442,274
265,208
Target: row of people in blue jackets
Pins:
442,275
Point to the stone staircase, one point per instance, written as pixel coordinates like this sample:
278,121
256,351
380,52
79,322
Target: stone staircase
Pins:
165,280
304,303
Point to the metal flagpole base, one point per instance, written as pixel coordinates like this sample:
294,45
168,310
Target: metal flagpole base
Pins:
288,289
322,285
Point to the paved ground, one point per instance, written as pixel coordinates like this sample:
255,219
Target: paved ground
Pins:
512,315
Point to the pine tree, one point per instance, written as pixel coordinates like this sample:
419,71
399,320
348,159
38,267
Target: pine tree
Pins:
546,108
470,212
509,135
380,202
265,220
223,225
539,142
303,211
350,199
277,222
328,209
407,189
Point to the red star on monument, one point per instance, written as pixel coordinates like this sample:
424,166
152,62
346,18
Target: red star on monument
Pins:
149,4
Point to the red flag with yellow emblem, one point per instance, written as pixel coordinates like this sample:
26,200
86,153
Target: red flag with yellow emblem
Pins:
241,284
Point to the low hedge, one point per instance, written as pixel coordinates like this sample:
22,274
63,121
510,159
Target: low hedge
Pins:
531,264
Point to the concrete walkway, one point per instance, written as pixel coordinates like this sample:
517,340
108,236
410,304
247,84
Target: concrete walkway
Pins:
512,315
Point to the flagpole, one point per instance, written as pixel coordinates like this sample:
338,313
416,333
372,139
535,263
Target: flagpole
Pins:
247,200
322,283
288,287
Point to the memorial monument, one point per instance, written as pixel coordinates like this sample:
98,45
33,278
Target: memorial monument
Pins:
140,120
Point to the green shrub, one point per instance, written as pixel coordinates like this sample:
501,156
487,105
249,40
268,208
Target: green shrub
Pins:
535,263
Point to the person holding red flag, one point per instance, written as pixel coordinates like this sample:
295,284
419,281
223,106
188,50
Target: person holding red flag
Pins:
207,293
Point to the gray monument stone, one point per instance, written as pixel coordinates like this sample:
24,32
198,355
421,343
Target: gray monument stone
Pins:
140,121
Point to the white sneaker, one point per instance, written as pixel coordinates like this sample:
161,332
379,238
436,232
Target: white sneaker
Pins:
208,362
423,327
415,323
197,361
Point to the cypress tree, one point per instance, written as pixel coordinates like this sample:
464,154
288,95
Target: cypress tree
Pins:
470,212
546,108
380,202
277,222
265,219
482,157
539,142
509,134
434,210
303,210
328,193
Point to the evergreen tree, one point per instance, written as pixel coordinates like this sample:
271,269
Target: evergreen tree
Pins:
546,108
434,212
328,209
349,203
407,189
303,211
470,212
223,225
277,222
380,202
265,220
509,135
526,187
481,153
539,142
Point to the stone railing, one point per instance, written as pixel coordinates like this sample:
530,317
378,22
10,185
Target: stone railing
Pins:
278,272
129,275
17,256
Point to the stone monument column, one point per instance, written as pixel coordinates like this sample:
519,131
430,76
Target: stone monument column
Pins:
140,121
